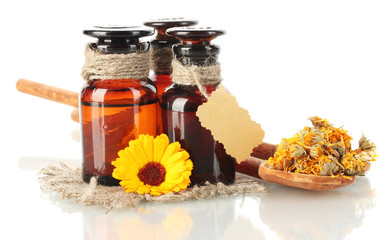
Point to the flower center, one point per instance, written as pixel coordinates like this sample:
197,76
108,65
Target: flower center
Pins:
152,174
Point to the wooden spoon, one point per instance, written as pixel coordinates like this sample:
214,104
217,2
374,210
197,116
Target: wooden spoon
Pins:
304,181
256,166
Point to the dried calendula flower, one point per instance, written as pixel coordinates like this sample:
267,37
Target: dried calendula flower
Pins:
330,168
323,150
366,144
319,122
299,152
316,151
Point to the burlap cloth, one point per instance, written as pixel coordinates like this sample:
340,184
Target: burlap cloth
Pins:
68,184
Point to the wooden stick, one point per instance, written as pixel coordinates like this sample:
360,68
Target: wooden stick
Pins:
264,151
48,92
250,166
259,155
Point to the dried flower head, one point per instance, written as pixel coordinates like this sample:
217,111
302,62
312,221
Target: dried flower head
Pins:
365,144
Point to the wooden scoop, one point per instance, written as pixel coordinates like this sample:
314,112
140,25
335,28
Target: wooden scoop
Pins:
304,181
256,166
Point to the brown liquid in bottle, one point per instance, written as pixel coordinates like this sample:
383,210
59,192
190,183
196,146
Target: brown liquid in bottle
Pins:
211,162
179,104
114,111
162,82
110,124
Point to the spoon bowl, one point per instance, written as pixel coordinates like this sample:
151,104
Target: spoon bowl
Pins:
304,181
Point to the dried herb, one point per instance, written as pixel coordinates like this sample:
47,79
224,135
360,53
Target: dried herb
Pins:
323,150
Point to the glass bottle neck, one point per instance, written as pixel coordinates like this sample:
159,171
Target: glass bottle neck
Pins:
199,55
161,56
120,46
194,89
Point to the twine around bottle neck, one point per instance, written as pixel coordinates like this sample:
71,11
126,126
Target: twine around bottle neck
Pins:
161,59
114,66
199,76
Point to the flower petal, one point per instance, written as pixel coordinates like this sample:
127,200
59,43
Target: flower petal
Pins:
171,149
179,157
148,147
161,142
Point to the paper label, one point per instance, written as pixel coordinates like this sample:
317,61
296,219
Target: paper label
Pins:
230,124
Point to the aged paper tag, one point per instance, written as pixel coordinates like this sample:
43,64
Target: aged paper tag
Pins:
230,124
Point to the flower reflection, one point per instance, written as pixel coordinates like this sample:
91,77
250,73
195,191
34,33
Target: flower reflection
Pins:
172,223
153,224
179,220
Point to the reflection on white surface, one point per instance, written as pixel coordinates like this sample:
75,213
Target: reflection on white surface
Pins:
144,223
203,219
242,228
302,214
37,163
281,213
198,219
76,135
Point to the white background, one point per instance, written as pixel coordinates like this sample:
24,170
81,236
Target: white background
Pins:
283,60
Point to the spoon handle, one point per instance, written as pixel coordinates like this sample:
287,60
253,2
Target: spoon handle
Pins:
259,155
48,92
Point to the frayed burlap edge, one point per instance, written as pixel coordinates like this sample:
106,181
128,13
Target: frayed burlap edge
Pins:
68,184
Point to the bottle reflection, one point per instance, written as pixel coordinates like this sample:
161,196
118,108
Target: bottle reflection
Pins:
203,219
211,217
301,214
99,227
174,223
243,228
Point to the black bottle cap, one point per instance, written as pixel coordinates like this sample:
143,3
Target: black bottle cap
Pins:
119,32
120,39
192,35
195,47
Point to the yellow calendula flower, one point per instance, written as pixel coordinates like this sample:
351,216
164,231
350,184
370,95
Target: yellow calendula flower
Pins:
152,165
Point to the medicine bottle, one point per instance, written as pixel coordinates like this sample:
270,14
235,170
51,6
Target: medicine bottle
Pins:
181,100
161,50
117,101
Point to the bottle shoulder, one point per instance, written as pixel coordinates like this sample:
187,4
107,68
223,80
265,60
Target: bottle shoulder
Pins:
122,91
182,98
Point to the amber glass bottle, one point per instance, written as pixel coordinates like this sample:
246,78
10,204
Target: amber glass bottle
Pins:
115,111
179,104
162,50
